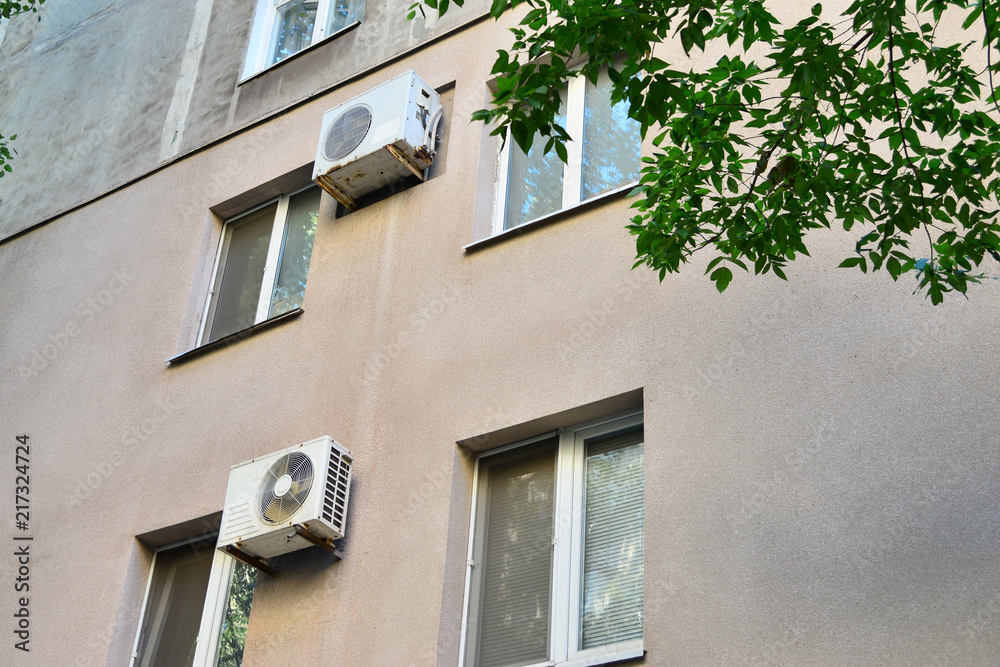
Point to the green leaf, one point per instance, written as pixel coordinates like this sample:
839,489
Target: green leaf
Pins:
522,135
722,277
561,152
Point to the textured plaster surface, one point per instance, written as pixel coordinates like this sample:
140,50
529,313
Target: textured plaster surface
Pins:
100,93
823,475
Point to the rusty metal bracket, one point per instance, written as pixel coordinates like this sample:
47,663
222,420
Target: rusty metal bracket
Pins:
252,561
406,160
337,192
304,533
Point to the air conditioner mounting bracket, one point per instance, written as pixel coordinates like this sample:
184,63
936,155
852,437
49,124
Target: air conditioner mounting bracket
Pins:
252,561
304,533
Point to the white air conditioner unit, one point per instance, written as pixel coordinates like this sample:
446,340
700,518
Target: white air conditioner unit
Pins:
377,138
287,500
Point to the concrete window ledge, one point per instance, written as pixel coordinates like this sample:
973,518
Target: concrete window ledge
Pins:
226,341
555,216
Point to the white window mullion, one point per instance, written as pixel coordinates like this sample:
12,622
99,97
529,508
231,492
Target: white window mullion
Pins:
575,573
322,18
142,614
211,618
572,184
269,52
268,44
562,556
503,177
271,265
259,35
470,565
211,301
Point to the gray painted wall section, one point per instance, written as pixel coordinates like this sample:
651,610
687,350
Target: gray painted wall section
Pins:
100,93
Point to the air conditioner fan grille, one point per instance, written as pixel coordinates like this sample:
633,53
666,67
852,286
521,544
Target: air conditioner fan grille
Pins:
347,132
285,487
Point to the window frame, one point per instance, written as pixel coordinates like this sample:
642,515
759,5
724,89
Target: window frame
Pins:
572,184
213,607
210,630
272,265
260,51
565,617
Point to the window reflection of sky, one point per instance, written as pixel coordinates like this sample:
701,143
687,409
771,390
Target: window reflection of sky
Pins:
290,287
611,141
611,145
536,181
294,28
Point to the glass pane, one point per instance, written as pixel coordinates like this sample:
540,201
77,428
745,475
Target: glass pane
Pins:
236,616
174,606
613,542
293,28
514,626
290,287
611,141
535,182
239,289
342,14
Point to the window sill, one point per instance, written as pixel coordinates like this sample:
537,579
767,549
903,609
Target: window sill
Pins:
621,653
626,651
272,66
555,216
235,337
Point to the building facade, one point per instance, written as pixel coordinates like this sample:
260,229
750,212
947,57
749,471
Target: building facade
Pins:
556,459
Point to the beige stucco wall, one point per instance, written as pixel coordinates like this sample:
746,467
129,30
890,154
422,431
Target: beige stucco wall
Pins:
823,476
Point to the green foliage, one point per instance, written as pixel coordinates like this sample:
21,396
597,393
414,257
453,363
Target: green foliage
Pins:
6,153
869,119
236,616
9,9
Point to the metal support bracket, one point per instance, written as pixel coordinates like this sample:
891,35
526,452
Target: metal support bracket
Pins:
304,533
252,561
336,192
406,160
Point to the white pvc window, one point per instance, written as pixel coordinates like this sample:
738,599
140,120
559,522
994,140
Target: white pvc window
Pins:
175,596
602,156
262,265
556,553
196,608
285,27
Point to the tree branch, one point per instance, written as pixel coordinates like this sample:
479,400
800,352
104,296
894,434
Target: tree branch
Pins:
904,145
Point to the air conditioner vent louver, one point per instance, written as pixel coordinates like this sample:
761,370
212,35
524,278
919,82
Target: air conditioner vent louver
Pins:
285,487
347,132
335,503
